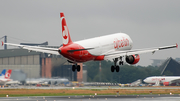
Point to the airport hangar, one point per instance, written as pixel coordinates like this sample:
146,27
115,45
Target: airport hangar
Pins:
40,65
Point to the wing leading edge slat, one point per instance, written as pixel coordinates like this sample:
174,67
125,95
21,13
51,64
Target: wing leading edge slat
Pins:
117,54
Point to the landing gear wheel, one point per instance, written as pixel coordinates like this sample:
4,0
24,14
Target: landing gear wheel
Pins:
78,68
120,62
112,68
117,68
73,68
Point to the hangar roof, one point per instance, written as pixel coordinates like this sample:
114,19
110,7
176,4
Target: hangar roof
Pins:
16,52
170,65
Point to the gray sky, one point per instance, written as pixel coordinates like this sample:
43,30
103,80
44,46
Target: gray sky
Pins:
150,23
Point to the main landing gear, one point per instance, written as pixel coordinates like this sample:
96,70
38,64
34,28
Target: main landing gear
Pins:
74,67
115,67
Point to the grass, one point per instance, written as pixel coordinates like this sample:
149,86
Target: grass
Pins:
67,92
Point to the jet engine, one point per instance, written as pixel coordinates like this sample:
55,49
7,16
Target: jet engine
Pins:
133,59
166,83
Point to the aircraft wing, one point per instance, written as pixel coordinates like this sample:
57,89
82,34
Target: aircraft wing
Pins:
117,54
175,81
108,55
36,48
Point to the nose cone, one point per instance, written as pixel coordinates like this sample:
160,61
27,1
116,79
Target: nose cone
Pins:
145,80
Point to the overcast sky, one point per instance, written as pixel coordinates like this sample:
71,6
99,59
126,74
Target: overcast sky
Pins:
149,23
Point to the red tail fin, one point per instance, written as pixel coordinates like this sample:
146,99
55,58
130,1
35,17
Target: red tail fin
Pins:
8,74
65,32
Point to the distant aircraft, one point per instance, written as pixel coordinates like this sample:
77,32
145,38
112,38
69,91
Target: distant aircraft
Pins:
3,72
5,78
46,81
165,80
109,47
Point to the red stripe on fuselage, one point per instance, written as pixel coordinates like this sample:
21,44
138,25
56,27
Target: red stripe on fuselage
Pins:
77,56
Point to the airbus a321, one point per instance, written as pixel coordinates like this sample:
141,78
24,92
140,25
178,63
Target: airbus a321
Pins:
112,47
165,80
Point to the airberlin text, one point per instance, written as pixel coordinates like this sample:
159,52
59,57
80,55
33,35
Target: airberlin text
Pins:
157,79
121,43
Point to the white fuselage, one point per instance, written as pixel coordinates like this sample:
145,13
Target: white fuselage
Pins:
161,79
3,80
107,43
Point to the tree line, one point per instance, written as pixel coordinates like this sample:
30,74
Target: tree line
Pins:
127,74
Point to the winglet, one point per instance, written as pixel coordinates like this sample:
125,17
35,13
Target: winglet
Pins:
2,43
176,45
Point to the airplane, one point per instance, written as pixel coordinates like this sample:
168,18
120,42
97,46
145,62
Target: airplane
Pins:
109,47
165,80
46,81
5,78
3,72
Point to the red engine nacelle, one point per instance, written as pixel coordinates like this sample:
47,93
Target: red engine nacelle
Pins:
133,59
166,83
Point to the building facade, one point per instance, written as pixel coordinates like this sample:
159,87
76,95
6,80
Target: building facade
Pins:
37,65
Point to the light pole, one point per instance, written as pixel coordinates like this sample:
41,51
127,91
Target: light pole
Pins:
69,73
100,71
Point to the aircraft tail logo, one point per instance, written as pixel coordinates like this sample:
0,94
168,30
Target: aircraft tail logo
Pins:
65,31
8,74
3,72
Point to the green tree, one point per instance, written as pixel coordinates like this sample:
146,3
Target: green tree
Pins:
127,74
